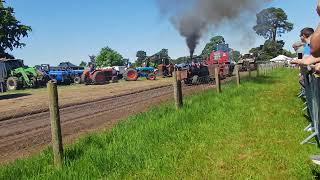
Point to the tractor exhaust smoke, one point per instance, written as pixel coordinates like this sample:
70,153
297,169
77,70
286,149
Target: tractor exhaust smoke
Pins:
193,18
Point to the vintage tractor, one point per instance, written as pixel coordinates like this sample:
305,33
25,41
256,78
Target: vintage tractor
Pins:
74,72
99,76
247,61
195,73
61,76
155,65
221,56
133,74
18,76
161,61
95,77
110,73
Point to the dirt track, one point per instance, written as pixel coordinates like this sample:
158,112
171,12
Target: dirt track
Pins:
24,135
36,100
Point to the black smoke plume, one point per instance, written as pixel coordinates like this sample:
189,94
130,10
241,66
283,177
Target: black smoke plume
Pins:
193,18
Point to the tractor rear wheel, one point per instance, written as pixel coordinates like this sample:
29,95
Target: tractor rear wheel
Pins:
12,83
151,77
114,79
77,80
98,78
130,75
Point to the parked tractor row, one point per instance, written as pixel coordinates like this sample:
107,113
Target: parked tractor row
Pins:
15,75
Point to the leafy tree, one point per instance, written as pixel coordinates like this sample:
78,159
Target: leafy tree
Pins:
289,53
83,64
210,46
11,31
272,22
141,57
269,50
235,55
109,57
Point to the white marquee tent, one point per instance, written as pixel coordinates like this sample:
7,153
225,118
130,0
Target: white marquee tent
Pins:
281,58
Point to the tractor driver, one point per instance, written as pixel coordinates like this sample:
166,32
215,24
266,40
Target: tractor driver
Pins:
91,68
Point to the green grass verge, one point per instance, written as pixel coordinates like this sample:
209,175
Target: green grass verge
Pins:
251,132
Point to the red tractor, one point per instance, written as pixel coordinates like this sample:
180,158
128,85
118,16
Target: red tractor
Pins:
99,76
220,56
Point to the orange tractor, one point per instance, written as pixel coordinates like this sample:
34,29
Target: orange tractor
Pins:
99,76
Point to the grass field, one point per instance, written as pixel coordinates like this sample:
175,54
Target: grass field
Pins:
251,132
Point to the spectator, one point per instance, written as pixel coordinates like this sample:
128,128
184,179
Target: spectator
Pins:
315,45
306,36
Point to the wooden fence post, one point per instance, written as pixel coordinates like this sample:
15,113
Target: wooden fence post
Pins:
238,75
177,89
249,69
217,78
55,124
258,69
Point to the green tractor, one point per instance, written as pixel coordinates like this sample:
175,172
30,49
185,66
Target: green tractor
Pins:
18,76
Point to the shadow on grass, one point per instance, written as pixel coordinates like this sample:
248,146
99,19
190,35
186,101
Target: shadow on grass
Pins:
13,96
316,174
262,80
75,152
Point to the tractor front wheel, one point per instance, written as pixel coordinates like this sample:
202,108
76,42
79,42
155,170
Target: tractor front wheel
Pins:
77,80
131,75
151,77
12,83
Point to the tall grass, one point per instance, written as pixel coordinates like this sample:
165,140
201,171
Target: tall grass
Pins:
251,132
